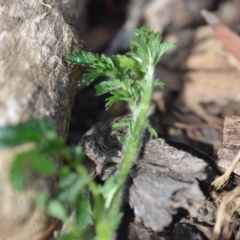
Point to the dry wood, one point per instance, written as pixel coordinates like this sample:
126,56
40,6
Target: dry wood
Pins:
163,179
230,145
35,81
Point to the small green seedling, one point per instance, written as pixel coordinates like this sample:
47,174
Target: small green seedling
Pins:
129,78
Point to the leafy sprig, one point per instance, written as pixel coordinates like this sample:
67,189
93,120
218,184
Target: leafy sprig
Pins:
129,78
40,158
124,73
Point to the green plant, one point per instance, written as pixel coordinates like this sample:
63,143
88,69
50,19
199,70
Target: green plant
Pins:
71,191
130,78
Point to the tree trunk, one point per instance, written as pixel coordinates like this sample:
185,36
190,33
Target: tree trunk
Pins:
35,81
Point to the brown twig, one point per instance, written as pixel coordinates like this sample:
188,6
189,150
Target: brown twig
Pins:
49,230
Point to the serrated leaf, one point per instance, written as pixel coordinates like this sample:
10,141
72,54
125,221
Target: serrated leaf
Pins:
117,96
107,86
124,62
110,101
90,76
163,48
159,84
122,140
145,47
152,131
100,65
109,189
77,187
135,93
122,123
73,58
128,82
90,60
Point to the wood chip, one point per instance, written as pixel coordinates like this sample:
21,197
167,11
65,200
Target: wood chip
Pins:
231,143
163,179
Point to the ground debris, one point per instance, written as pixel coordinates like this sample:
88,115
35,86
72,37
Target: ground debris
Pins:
163,180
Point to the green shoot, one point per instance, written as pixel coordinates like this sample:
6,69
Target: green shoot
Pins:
71,191
129,78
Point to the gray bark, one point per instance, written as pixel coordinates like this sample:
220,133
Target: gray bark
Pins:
163,180
35,81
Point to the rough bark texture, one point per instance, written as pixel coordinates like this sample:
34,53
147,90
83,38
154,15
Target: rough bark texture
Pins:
230,145
162,180
35,81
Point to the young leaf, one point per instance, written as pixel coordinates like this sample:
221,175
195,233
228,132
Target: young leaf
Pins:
145,49
107,86
120,124
159,84
152,131
124,62
100,65
17,172
109,189
163,48
76,188
30,131
89,59
56,209
42,164
90,76
82,212
117,96
122,139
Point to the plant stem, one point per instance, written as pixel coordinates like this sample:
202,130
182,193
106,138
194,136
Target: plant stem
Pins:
139,118
134,137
